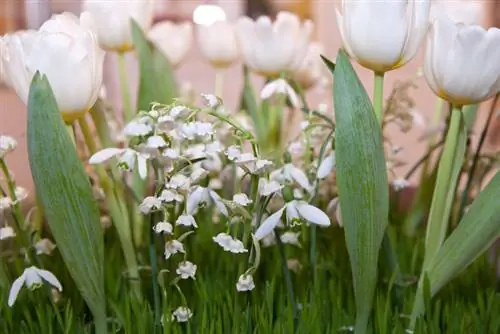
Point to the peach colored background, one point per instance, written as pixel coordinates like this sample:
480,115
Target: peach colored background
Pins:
196,72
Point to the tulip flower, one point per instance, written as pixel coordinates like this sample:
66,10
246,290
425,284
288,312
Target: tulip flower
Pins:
113,21
448,68
65,50
218,43
311,70
269,48
174,40
463,11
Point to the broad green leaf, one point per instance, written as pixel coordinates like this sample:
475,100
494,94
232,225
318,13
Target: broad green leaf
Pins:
66,196
448,173
362,183
249,103
470,115
477,231
156,75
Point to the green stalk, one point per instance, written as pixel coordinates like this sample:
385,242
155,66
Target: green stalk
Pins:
219,82
378,96
120,218
124,88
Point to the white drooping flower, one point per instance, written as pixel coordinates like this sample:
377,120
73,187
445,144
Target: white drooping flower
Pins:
400,184
7,145
245,283
241,199
312,69
290,173
229,244
218,43
163,227
281,87
33,278
173,247
295,211
186,270
113,21
186,220
270,48
291,238
137,128
448,68
66,51
44,246
150,204
5,203
182,314
204,196
326,166
383,35
170,195
7,232
127,159
194,130
211,100
173,39
268,188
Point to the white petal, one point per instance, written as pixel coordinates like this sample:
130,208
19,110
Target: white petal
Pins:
14,290
104,155
269,90
142,166
218,203
51,278
269,224
194,200
300,177
326,166
291,212
294,99
312,214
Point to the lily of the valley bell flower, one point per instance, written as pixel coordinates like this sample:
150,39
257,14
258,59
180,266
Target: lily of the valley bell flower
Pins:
113,21
270,48
462,63
383,35
218,43
66,50
173,39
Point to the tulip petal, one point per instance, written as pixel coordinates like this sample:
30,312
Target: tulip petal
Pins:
14,290
105,155
51,278
312,214
269,224
418,27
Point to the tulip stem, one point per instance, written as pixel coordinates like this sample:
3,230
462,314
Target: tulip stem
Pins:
219,83
378,96
124,88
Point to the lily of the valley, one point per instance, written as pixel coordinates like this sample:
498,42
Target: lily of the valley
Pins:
113,21
448,68
295,211
127,159
65,49
7,145
33,278
218,43
173,39
385,34
279,86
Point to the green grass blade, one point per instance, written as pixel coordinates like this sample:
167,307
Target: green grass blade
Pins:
362,183
156,75
66,196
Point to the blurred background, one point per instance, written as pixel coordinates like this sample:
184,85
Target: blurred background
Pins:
196,73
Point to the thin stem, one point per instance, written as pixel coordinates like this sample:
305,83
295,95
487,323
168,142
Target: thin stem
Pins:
154,271
219,83
124,88
423,160
378,96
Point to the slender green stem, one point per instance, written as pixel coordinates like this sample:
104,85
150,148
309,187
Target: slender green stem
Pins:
219,83
124,88
378,96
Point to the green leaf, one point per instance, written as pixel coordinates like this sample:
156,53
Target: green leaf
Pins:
362,183
66,196
156,75
249,103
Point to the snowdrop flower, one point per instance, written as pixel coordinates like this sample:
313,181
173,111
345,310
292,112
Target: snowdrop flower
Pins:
126,159
173,39
295,211
334,207
447,66
7,145
182,314
268,188
137,129
279,86
383,35
66,51
7,232
204,196
186,270
173,247
186,220
290,173
229,244
311,70
218,43
113,18
400,184
149,204
291,238
163,227
44,246
241,199
178,182
33,278
326,166
269,48
245,283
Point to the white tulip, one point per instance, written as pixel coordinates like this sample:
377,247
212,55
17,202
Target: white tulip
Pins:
462,63
463,11
269,48
311,70
385,34
113,20
65,50
218,43
174,40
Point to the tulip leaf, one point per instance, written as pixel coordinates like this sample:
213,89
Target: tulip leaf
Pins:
477,231
156,75
64,190
362,183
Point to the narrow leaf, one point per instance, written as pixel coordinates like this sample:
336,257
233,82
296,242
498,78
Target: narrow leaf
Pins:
156,75
66,196
362,182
